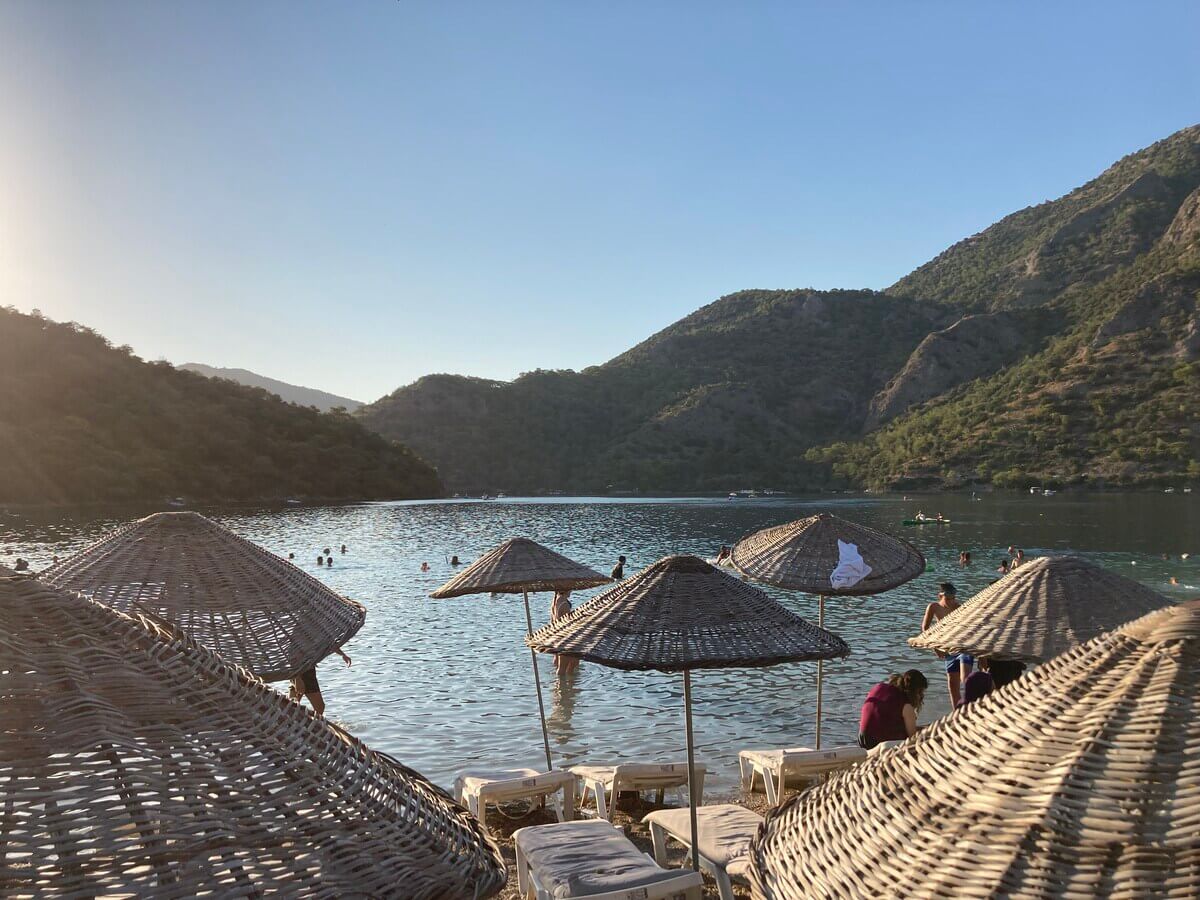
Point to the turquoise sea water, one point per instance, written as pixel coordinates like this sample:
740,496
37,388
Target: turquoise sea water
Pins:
445,684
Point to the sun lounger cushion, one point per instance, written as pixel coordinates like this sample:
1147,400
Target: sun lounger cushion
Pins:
472,781
800,758
502,780
637,771
575,859
724,832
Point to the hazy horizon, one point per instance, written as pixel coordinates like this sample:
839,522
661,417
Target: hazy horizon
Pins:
348,200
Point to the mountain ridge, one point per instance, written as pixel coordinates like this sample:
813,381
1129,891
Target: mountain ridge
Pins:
975,368
289,393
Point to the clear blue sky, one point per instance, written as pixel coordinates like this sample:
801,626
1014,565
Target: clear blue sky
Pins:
352,195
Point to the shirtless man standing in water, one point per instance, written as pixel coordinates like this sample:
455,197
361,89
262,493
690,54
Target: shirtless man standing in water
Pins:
958,665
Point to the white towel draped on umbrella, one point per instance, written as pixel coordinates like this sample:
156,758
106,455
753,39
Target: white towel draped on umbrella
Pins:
850,568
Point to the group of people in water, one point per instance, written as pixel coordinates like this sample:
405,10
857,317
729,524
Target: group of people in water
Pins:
324,558
1006,564
890,711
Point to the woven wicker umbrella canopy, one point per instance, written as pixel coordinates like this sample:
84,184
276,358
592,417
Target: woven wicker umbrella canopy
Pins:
1040,609
135,762
253,608
522,566
804,555
1081,779
681,614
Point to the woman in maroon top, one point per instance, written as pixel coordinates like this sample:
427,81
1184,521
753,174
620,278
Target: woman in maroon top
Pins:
890,710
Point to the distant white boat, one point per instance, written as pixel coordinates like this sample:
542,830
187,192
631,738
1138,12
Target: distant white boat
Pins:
1048,493
1034,490
1187,490
1169,490
176,502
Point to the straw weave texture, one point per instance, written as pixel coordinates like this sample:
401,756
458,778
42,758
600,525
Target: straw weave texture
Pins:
520,565
134,762
681,613
1081,779
256,610
1040,609
801,555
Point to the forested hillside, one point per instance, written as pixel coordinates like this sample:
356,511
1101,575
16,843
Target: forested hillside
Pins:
1058,345
83,421
1114,397
730,395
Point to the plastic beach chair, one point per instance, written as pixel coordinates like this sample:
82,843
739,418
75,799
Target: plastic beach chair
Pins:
594,859
775,767
478,788
723,835
609,780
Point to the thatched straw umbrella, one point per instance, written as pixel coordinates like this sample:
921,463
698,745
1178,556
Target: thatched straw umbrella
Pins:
137,763
522,566
808,555
682,614
1081,779
256,610
1039,610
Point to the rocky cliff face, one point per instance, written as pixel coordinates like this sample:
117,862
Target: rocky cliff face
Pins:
972,347
1163,298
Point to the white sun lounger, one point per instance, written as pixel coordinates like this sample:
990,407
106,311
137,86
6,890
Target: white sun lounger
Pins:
478,788
723,835
594,859
775,767
611,780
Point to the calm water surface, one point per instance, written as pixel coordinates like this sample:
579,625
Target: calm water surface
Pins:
443,684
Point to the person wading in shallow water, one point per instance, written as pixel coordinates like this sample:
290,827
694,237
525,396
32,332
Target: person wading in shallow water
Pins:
560,608
305,685
958,665
618,571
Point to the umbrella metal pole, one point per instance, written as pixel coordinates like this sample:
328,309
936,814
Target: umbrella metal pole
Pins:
691,757
537,683
820,665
